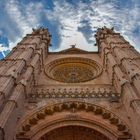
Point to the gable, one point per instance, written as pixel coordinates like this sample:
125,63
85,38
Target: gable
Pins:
73,50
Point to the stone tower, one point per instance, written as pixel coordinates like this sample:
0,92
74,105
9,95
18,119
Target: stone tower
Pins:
72,94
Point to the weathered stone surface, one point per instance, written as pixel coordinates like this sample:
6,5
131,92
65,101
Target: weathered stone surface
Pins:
72,94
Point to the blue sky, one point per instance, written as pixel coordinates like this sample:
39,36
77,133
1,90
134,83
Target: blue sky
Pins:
69,21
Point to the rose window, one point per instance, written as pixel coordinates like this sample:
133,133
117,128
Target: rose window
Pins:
73,70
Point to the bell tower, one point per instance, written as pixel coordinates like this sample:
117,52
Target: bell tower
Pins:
17,76
121,62
71,94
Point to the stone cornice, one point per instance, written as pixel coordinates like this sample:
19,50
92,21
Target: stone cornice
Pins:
99,91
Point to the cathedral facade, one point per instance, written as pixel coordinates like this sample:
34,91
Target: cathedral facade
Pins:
72,94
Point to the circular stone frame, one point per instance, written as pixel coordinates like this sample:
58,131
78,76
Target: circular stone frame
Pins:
73,70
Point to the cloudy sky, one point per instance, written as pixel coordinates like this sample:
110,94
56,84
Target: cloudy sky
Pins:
69,21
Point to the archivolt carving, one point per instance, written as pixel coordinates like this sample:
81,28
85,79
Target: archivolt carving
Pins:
33,121
73,70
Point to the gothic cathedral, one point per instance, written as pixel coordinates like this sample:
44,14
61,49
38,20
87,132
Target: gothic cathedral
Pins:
72,94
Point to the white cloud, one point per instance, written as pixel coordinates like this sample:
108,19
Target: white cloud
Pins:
69,18
15,13
25,17
98,14
3,48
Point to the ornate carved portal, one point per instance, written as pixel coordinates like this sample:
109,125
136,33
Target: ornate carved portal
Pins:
72,121
74,133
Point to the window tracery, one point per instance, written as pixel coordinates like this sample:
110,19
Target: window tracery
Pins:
73,70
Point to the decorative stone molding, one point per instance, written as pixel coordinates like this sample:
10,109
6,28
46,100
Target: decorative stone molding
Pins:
8,83
104,91
133,101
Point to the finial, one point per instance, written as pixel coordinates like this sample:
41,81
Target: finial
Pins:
112,28
73,46
33,29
